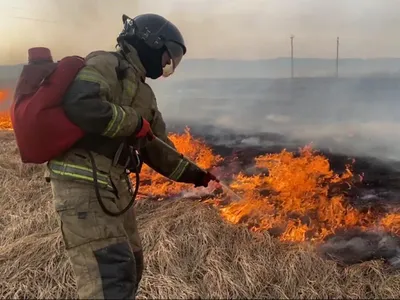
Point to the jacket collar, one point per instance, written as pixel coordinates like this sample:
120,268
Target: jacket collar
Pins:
133,59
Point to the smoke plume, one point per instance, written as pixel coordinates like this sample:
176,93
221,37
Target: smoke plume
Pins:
219,29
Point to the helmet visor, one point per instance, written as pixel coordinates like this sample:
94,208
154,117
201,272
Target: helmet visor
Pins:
175,52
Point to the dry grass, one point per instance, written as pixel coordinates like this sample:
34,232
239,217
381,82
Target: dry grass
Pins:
190,252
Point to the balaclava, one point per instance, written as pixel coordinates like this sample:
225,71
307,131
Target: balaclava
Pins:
150,58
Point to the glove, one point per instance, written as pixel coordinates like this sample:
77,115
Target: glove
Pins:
204,178
145,130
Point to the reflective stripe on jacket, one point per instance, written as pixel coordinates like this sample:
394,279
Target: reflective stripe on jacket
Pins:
180,168
77,172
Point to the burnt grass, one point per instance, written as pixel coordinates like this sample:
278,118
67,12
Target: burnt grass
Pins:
379,189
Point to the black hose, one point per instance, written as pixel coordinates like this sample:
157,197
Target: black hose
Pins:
97,190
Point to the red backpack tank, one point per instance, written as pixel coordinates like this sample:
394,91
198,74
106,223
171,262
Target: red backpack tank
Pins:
41,128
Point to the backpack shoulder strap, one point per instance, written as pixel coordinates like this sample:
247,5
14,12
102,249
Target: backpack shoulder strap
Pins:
120,70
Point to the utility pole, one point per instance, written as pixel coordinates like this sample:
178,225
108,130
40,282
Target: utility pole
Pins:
337,57
292,62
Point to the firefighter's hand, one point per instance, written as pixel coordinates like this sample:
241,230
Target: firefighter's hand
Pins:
145,130
204,178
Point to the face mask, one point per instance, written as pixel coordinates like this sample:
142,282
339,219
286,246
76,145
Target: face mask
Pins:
150,59
153,66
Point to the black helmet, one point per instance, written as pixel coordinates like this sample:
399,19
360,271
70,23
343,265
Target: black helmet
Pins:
157,34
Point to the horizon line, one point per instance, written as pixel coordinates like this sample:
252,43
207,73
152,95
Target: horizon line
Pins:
261,59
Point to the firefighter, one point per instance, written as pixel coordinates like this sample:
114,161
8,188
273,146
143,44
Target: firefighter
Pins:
111,101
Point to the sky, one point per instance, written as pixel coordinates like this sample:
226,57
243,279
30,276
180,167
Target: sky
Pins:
229,29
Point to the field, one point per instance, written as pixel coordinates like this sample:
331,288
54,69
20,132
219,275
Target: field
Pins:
190,251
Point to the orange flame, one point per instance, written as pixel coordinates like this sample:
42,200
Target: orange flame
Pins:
294,198
156,185
5,121
296,201
391,222
3,95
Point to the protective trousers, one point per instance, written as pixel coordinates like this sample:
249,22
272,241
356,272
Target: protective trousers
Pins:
105,251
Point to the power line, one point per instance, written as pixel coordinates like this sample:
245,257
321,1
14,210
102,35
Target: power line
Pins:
337,57
292,62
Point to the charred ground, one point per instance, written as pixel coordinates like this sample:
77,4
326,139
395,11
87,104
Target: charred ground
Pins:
380,184
190,251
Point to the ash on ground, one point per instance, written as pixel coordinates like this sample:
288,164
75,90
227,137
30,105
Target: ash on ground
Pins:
356,246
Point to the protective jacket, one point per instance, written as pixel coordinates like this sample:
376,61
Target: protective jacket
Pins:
108,99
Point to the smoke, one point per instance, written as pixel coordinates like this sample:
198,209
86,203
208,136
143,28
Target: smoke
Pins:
354,246
349,115
221,29
353,116
66,27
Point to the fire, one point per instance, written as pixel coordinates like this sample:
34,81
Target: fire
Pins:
300,198
294,200
157,186
5,121
391,222
3,95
